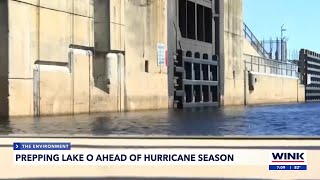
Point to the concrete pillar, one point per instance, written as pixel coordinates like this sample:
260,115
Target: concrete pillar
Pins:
233,65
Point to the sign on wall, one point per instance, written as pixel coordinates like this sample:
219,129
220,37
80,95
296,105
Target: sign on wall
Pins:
161,54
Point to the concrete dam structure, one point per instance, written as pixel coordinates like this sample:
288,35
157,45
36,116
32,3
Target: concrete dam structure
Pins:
81,56
89,56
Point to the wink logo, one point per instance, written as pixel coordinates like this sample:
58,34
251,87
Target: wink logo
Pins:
284,157
288,160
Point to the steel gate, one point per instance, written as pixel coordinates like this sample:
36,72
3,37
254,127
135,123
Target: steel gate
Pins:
310,74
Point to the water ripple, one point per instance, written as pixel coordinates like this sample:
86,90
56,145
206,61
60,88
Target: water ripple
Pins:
296,119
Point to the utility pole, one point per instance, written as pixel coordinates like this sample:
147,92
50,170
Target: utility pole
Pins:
281,41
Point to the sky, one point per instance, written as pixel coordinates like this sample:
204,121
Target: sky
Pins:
301,19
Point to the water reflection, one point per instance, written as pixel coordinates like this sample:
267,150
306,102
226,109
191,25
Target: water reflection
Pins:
298,119
5,126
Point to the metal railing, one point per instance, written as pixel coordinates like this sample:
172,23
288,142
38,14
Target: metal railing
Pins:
255,42
269,66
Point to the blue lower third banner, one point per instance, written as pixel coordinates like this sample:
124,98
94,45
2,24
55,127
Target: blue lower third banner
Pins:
288,167
41,146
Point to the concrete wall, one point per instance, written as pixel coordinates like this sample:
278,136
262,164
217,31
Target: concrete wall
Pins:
301,93
172,47
54,99
135,29
233,66
45,36
48,77
146,25
248,48
85,87
105,97
272,89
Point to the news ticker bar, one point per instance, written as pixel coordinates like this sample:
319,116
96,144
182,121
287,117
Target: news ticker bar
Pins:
61,153
287,167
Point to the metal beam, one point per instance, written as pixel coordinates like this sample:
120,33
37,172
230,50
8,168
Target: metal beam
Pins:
196,82
200,61
201,104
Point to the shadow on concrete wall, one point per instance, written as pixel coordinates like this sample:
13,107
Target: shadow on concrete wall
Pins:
4,64
4,91
172,46
99,72
101,43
